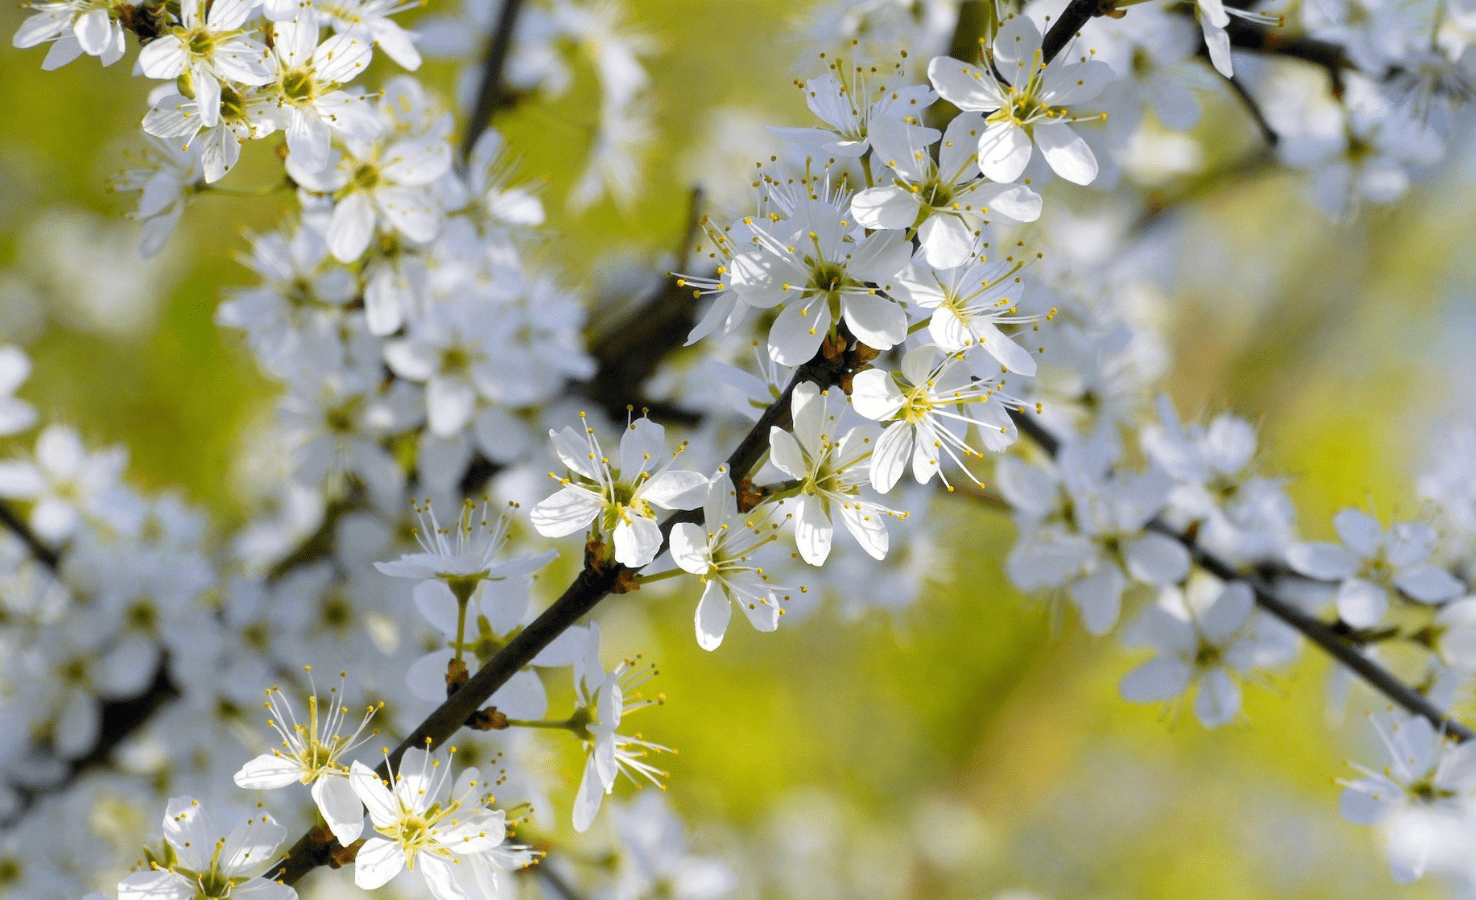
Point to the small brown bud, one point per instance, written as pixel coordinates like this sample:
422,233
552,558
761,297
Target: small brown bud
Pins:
489,719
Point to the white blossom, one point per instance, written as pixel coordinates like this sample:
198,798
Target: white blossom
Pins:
718,552
831,469
618,500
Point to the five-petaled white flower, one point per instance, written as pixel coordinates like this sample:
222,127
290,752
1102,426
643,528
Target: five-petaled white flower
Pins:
1209,635
852,107
928,411
458,564
1029,106
75,27
618,501
310,754
718,552
1422,796
946,200
1372,560
67,484
209,48
968,305
379,185
309,105
811,264
830,472
452,842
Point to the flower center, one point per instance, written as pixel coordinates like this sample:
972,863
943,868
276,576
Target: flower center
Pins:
214,885
455,361
232,107
1425,791
1207,655
827,278
200,42
366,177
936,194
298,85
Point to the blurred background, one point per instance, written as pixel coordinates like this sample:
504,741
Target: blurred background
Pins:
973,743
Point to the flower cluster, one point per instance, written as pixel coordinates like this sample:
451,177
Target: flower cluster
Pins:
904,295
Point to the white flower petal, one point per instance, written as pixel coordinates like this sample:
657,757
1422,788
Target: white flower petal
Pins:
352,227
675,489
891,207
889,459
1218,700
714,611
1066,152
812,530
867,525
568,511
382,806
1429,584
965,86
947,241
1361,603
341,808
1157,559
190,831
689,548
1098,598
587,801
1326,562
1359,531
449,403
1004,151
1157,679
874,319
377,862
250,845
637,541
267,772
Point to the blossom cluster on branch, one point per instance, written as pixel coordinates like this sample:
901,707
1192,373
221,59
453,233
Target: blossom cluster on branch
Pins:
898,313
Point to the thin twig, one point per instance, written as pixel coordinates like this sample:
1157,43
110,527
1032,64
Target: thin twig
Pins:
1323,635
490,94
42,553
1315,630
1253,107
556,881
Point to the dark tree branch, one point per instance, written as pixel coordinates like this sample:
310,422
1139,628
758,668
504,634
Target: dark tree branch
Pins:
491,95
593,584
1246,35
1253,107
42,553
1324,636
630,352
1076,14
587,590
